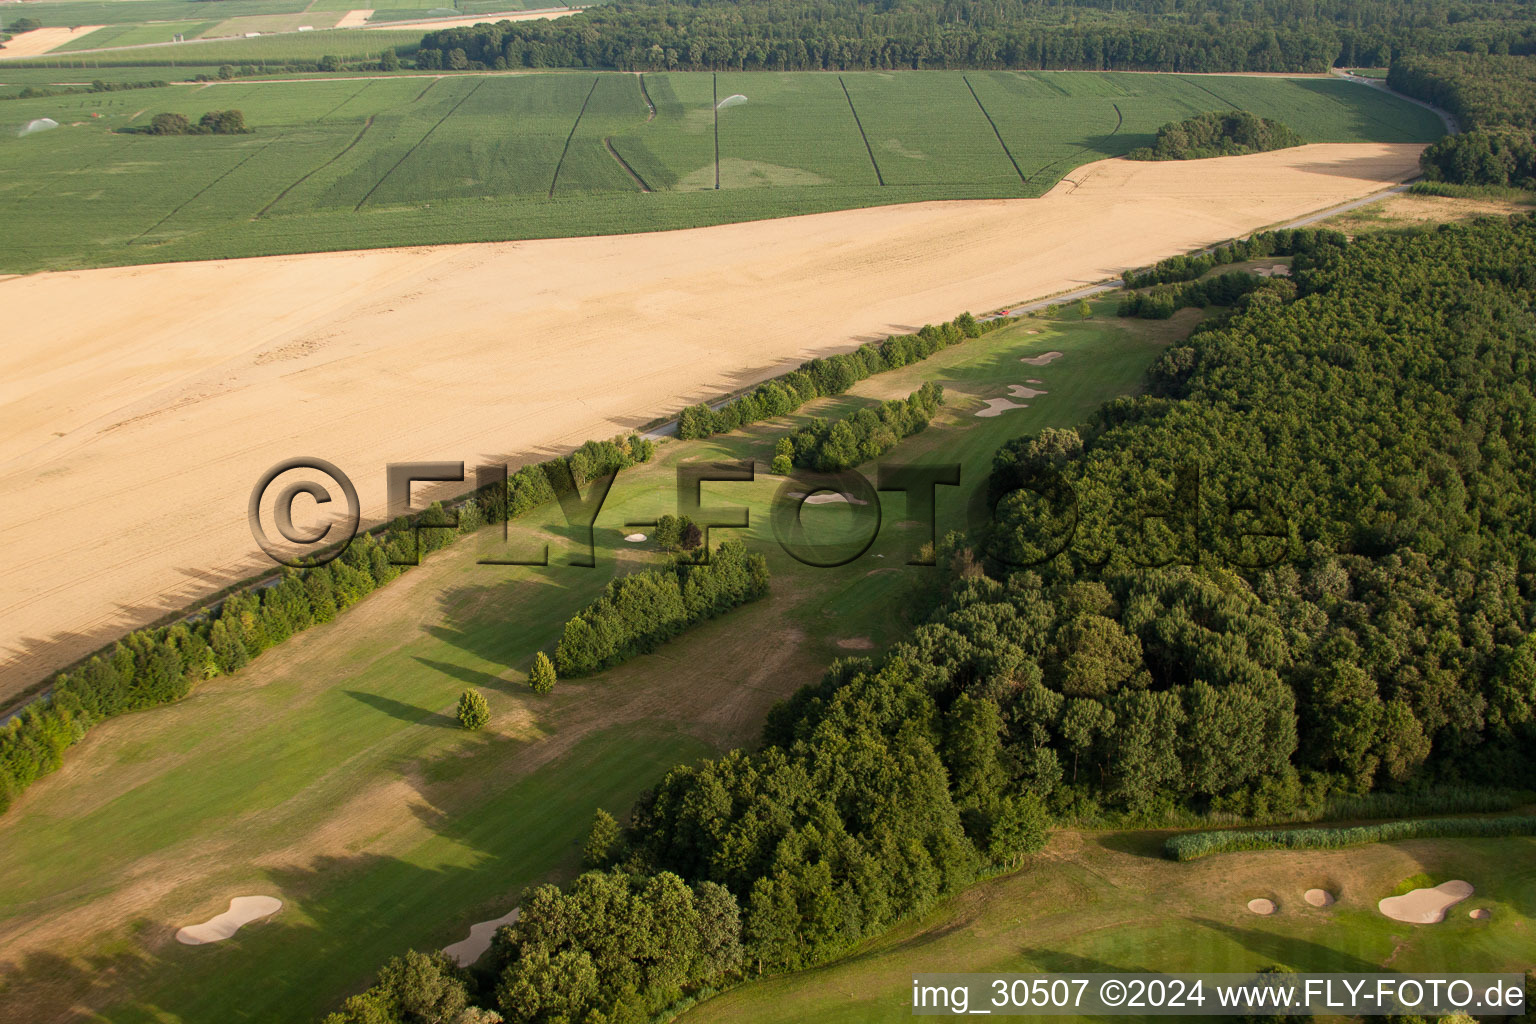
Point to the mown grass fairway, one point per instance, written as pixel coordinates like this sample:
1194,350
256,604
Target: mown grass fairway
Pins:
1104,902
335,164
329,773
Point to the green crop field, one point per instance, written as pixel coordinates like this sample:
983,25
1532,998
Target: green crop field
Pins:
415,159
331,774
119,12
136,35
1109,903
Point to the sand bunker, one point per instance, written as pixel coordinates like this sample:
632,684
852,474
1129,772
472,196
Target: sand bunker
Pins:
1319,897
731,101
1033,380
242,911
1480,913
1020,391
1042,359
857,643
634,538
100,375
827,498
998,406
467,951
1426,906
1262,907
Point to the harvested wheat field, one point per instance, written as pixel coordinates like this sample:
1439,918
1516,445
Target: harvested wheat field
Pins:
141,404
41,40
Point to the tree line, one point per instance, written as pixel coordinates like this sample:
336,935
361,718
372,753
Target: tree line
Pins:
1229,133
831,375
639,612
1189,845
1285,242
859,437
214,122
161,665
1493,97
846,35
1231,288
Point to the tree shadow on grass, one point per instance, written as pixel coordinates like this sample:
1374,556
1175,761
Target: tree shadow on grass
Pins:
402,711
469,676
1137,844
1293,952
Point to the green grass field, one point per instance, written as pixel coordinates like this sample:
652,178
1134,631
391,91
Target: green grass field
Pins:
330,772
418,159
1100,902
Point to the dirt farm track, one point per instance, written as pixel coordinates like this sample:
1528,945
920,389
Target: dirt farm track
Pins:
139,405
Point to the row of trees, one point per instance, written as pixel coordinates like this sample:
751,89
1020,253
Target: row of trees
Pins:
641,611
1233,133
1286,242
1494,99
160,665
832,375
1189,845
859,437
1142,35
1227,289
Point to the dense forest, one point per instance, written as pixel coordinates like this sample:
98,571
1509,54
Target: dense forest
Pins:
1302,565
1231,133
1142,35
1493,98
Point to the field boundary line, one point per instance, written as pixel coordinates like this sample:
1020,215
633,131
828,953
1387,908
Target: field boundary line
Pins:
880,178
385,177
645,95
608,144
344,102
980,106
194,196
1197,85
561,162
714,85
316,170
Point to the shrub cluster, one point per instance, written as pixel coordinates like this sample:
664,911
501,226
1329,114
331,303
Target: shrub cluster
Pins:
162,664
860,436
1229,133
640,612
830,376
214,122
1189,845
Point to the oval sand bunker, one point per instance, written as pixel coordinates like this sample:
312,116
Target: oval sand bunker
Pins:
242,911
467,951
1042,359
1426,906
1319,897
1262,907
634,538
1480,914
